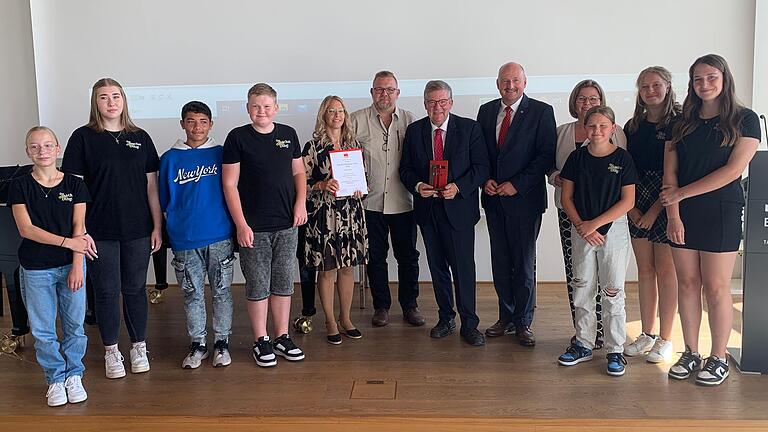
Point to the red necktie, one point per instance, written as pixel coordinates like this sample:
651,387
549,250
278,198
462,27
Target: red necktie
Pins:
438,144
505,125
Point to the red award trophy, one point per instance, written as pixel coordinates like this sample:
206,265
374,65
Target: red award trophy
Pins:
438,174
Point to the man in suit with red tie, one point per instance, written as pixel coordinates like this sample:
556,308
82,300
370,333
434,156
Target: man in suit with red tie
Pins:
447,217
520,136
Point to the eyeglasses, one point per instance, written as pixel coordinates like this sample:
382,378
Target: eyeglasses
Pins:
382,90
442,102
592,99
333,111
45,148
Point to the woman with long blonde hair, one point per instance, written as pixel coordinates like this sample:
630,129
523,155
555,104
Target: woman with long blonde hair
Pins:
655,112
336,237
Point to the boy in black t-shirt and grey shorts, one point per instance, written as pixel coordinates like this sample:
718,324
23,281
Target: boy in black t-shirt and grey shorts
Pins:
598,191
265,188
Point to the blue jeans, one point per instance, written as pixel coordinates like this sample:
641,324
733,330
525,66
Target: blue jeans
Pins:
43,292
217,260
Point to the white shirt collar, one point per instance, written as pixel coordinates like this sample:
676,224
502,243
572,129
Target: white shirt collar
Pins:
443,126
514,105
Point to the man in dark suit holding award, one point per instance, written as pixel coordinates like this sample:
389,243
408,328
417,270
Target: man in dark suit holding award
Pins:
447,215
520,137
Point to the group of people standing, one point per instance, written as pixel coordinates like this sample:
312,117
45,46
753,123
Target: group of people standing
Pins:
669,181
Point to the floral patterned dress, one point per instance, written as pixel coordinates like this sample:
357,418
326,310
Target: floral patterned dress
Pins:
336,232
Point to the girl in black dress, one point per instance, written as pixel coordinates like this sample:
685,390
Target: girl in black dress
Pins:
655,110
710,148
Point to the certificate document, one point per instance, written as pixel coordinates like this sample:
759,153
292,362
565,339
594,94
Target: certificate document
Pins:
347,168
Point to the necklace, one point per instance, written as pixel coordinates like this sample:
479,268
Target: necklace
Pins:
115,136
55,179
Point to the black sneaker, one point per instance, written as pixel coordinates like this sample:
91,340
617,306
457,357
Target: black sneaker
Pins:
262,352
284,347
689,363
714,372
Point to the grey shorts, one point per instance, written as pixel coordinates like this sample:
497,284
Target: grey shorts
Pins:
269,266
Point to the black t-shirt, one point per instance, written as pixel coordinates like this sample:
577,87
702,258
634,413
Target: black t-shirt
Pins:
700,153
598,181
52,213
267,191
646,145
115,172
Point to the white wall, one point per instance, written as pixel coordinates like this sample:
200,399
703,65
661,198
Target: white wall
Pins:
192,42
18,105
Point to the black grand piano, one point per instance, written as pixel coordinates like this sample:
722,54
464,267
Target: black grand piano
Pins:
9,261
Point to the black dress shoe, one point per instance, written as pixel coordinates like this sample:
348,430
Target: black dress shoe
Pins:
473,337
443,329
380,318
500,329
414,317
525,336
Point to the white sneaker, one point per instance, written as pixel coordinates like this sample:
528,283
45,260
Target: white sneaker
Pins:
661,352
139,359
113,364
197,353
56,395
75,391
640,346
221,356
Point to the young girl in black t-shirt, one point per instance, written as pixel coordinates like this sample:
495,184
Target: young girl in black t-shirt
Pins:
710,148
598,190
119,164
49,209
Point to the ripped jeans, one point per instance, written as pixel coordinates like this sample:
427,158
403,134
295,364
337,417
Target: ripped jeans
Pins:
217,261
607,264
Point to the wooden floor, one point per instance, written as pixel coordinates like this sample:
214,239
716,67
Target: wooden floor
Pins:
394,378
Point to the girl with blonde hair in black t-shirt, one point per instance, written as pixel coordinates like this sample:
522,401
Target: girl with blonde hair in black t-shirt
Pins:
119,164
49,209
709,149
598,190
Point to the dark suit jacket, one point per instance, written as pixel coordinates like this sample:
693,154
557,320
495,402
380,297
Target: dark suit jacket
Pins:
526,156
467,168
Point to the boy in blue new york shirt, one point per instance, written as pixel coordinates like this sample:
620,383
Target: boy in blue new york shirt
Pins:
200,231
